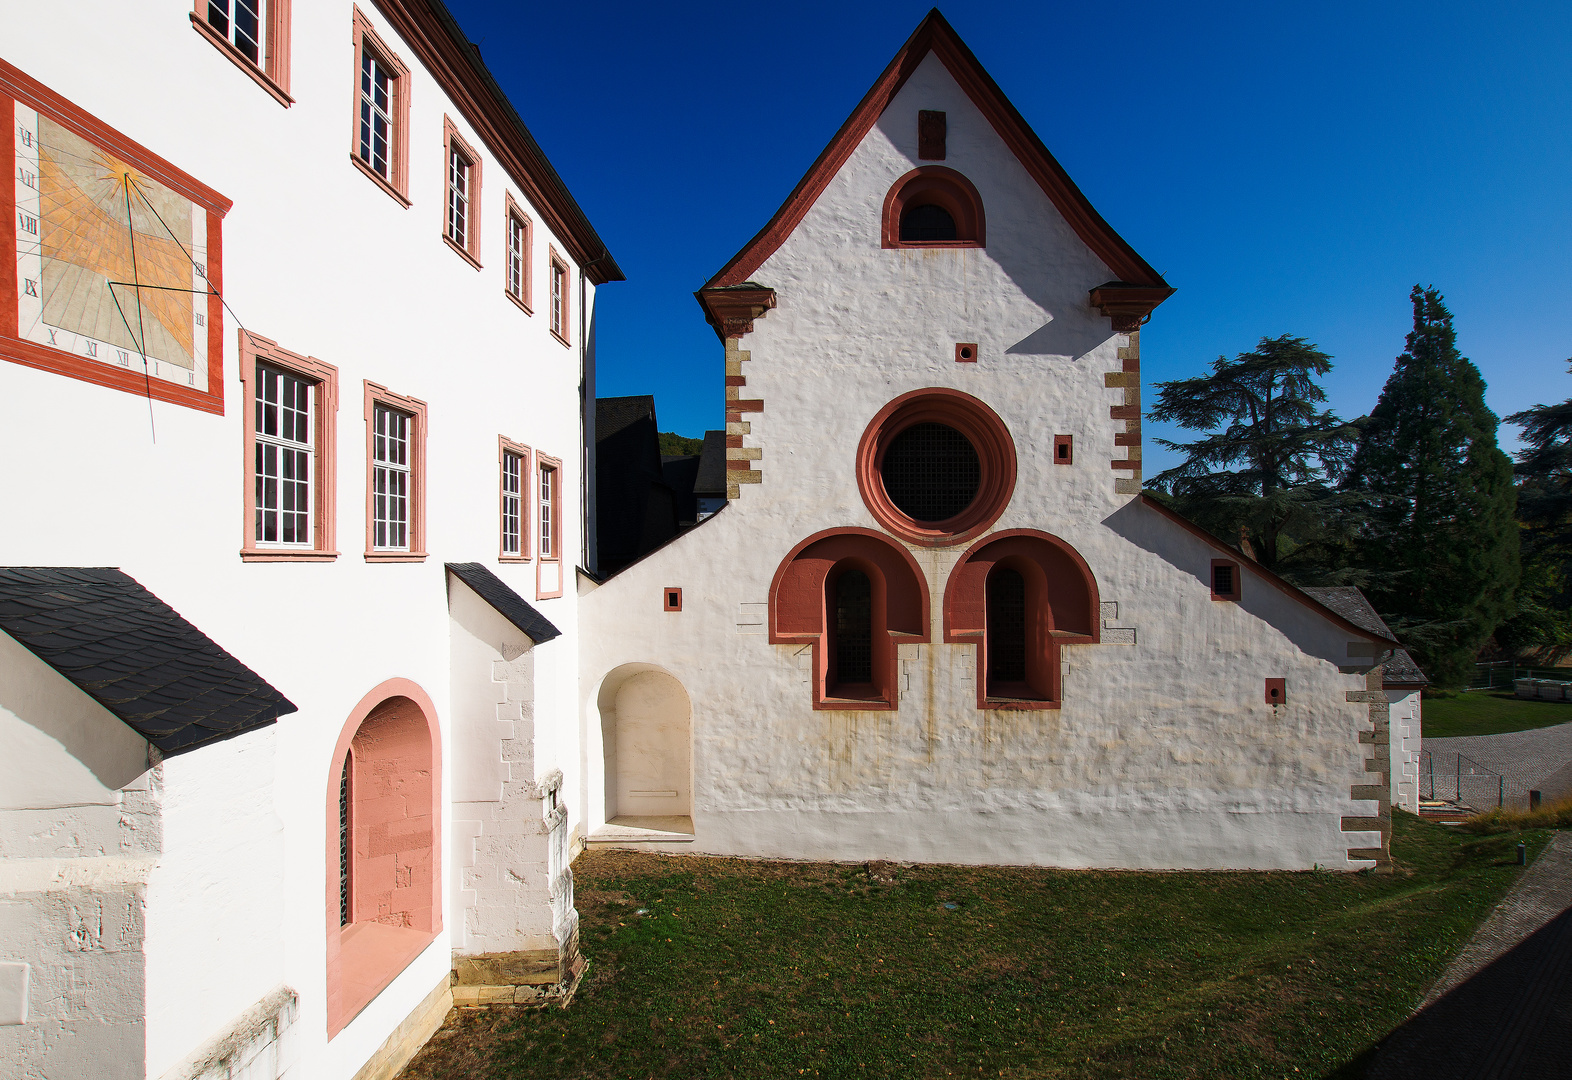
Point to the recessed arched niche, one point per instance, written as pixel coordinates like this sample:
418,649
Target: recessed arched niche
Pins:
854,595
1021,595
933,206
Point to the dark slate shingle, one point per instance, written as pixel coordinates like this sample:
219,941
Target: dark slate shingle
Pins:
1351,604
135,655
509,604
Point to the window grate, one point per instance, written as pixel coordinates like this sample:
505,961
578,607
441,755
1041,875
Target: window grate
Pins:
1006,626
853,628
343,844
927,222
1223,580
931,472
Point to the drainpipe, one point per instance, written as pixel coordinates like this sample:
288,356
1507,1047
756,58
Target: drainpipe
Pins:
589,550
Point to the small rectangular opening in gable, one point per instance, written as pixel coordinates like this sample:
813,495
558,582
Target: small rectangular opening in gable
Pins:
673,599
1064,449
931,130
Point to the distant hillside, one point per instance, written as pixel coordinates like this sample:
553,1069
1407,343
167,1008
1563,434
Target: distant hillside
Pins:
672,443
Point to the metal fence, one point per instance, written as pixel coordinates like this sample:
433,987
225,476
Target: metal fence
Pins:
1458,778
1503,673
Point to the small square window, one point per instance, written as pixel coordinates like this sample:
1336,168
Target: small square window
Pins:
673,599
966,352
254,35
1277,691
1064,450
1225,579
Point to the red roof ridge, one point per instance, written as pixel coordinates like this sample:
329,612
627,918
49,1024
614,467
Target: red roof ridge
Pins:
934,34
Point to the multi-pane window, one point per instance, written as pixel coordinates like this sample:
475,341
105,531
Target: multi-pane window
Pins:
559,299
285,457
459,170
515,257
390,479
377,83
548,511
512,503
240,23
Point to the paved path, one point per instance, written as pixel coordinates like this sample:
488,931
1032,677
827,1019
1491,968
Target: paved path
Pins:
1503,1008
1538,760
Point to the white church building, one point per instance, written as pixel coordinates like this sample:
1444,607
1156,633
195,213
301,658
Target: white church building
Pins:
311,688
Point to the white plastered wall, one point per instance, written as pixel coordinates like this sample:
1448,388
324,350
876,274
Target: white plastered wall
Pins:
1164,753
320,260
1406,729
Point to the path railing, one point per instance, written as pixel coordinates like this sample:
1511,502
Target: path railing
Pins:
1458,778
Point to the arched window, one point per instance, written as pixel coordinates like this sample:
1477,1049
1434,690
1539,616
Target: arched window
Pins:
854,595
933,206
1020,596
384,846
853,634
1006,602
926,222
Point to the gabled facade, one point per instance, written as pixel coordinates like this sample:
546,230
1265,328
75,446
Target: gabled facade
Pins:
937,621
295,332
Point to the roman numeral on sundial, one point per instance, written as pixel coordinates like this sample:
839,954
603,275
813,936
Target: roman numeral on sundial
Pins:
30,287
27,223
28,179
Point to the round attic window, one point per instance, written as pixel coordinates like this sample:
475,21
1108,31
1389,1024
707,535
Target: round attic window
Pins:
936,466
930,472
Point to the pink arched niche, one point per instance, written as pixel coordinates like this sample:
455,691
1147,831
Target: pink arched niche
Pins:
800,604
390,908
1061,609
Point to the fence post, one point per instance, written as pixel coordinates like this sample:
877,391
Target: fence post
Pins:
1501,792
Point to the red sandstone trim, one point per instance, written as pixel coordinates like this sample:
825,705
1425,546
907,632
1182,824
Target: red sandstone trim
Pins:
941,186
364,37
505,446
324,485
340,1008
542,462
797,607
1234,593
563,321
1064,449
671,599
375,394
513,212
16,86
1276,692
273,75
1062,602
965,352
935,35
451,140
980,424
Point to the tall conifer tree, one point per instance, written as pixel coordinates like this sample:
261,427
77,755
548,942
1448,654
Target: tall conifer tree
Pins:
1441,542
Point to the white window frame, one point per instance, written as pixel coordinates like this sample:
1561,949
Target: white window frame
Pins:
392,478
547,502
461,172
514,467
274,417
231,33
515,256
376,74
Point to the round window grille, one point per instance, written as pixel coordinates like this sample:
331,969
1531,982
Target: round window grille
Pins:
931,472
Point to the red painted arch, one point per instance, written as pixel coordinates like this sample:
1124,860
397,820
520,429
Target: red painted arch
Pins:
988,436
1062,609
798,611
941,186
396,825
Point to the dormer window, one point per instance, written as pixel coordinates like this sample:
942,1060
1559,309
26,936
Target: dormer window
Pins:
926,223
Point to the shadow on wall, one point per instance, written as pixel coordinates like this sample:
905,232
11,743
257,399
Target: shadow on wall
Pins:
1190,554
61,746
646,724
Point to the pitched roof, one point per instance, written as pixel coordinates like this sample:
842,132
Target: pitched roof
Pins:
614,414
712,465
1352,605
454,61
507,603
935,35
134,655
1293,592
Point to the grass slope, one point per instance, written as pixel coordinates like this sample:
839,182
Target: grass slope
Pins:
1489,712
790,969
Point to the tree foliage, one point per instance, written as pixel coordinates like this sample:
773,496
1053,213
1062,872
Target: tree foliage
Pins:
1440,541
1543,622
1260,479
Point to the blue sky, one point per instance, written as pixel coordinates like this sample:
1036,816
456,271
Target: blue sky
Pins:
1290,168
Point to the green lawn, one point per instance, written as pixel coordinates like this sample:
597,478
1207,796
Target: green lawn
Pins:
1489,712
744,969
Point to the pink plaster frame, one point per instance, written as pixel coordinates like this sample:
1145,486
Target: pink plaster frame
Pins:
324,484
515,212
376,394
272,74
557,262
339,1011
365,37
545,461
452,140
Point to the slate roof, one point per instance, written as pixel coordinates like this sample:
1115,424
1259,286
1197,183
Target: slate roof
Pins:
1351,604
712,466
509,604
613,414
134,655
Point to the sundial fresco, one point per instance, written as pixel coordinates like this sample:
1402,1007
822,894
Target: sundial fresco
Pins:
111,264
